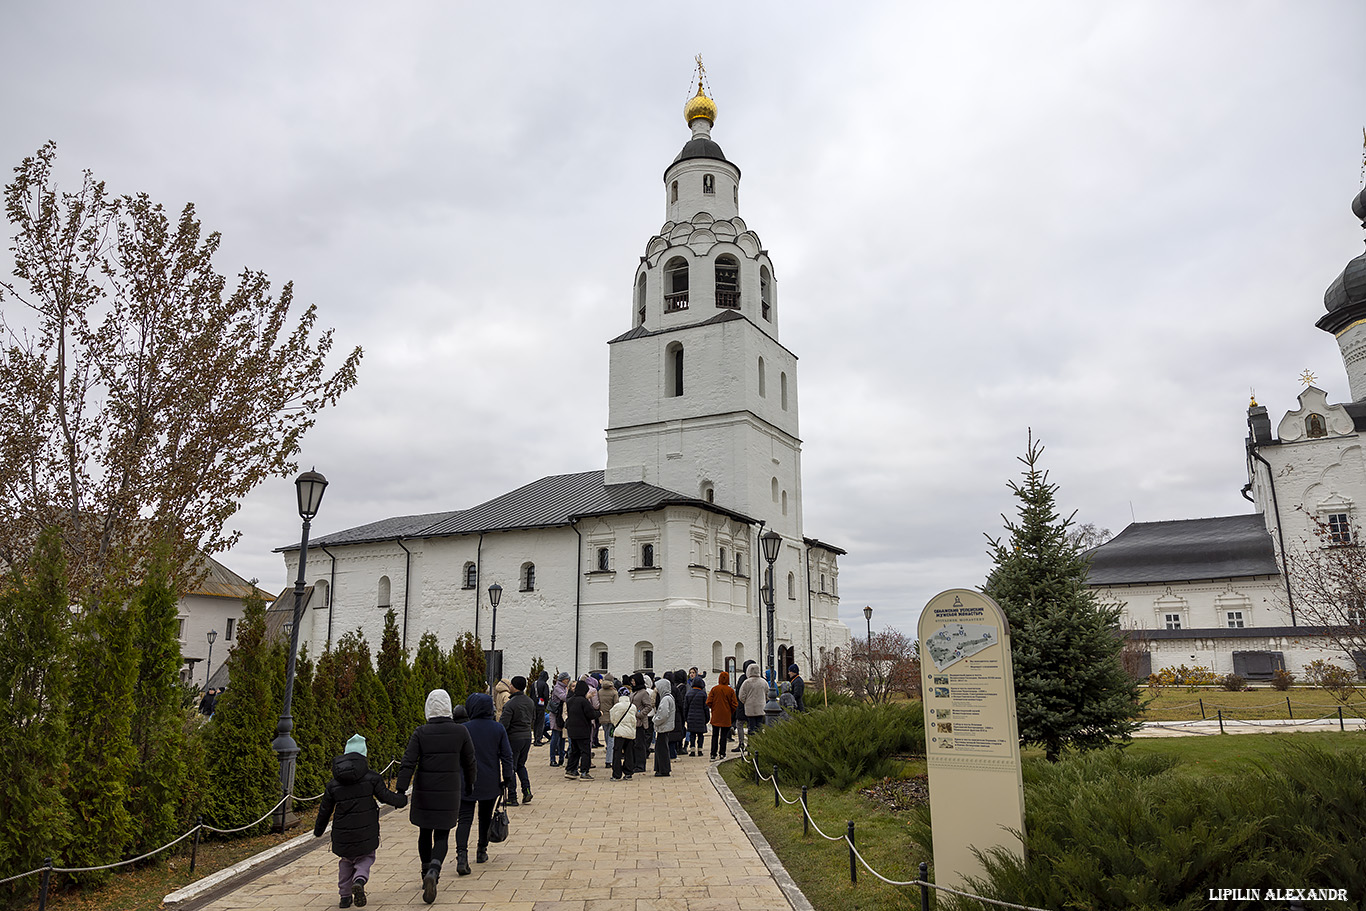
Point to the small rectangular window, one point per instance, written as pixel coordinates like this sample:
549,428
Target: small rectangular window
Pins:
1173,621
1339,528
180,629
647,556
228,634
1235,619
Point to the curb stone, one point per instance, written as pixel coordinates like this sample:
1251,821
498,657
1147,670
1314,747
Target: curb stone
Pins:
766,853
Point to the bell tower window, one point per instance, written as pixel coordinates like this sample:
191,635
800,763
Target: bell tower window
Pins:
765,293
727,282
763,380
676,285
640,300
708,184
673,361
782,389
673,192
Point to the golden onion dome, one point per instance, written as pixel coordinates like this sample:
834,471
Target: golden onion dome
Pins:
699,106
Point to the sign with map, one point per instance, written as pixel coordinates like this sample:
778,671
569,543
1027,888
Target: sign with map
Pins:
972,740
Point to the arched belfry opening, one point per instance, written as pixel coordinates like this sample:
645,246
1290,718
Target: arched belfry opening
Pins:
727,282
676,285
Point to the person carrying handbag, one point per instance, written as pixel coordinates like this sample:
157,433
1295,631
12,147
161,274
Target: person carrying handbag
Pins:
623,718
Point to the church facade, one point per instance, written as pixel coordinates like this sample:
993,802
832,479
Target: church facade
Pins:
1215,592
654,562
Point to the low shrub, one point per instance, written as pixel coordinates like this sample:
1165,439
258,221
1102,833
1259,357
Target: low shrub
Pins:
842,744
1233,683
1190,677
1338,681
1106,831
1282,679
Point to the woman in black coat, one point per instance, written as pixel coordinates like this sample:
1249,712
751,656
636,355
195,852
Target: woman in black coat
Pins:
579,716
440,764
680,710
696,713
493,756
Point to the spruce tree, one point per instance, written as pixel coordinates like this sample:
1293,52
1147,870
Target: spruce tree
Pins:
362,704
34,682
397,678
244,772
158,728
1070,688
100,750
327,721
429,669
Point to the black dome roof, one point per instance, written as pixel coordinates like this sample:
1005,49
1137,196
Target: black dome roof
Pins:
1349,289
701,147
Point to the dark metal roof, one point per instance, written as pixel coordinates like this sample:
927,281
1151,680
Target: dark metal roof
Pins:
560,499
383,530
702,147
1358,412
725,316
547,503
1183,550
219,581
812,542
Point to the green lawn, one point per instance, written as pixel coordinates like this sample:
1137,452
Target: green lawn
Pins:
1179,703
821,868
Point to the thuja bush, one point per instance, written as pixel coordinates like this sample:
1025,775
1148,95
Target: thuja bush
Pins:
842,744
1234,683
1108,831
1282,679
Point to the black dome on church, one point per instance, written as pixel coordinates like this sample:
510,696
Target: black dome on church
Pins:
1345,299
701,147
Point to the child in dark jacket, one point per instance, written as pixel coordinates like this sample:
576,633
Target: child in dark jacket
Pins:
355,832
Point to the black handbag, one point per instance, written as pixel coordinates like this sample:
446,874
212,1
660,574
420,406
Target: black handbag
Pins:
498,825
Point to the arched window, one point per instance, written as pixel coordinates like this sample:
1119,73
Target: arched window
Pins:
528,577
782,383
739,654
784,502
640,300
597,653
673,369
763,380
673,192
765,293
708,491
739,563
720,564
676,285
727,282
717,656
319,597
647,555
791,587
471,576
383,592
1314,426
645,656
708,184
822,583
604,560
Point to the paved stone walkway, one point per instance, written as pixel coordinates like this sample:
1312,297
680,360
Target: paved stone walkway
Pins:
650,843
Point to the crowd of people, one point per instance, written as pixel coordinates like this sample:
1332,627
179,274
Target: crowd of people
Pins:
466,757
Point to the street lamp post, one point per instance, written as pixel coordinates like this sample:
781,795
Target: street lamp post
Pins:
309,486
208,666
772,542
868,616
495,595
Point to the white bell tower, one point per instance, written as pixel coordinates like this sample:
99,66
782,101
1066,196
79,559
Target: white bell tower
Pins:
703,397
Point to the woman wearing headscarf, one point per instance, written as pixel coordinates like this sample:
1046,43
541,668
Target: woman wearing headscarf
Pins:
680,691
607,700
623,719
493,757
722,702
642,697
579,715
696,714
440,764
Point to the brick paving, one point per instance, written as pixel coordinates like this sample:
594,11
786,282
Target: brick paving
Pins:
650,843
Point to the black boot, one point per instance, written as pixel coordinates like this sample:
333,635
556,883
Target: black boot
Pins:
512,799
483,856
462,864
429,880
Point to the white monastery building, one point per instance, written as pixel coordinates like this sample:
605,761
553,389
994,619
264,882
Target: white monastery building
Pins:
654,562
1212,592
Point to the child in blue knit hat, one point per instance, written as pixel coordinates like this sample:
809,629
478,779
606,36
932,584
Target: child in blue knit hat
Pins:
351,795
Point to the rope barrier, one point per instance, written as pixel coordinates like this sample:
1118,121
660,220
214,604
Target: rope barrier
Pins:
123,863
269,813
869,867
11,879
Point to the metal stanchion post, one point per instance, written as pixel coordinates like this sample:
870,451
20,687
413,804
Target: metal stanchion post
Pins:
924,889
47,880
806,823
775,787
1341,726
1221,721
1289,711
853,861
194,851
1202,708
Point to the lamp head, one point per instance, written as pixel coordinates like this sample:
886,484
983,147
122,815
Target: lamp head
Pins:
213,634
772,542
310,486
495,594
868,614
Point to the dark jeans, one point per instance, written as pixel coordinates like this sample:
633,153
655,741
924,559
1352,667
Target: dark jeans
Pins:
640,748
580,753
432,845
754,724
720,736
521,749
462,828
556,746
539,725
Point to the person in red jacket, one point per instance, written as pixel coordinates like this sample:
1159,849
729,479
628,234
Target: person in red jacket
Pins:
723,703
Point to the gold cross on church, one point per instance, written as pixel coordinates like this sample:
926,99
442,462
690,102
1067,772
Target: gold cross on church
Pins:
1307,378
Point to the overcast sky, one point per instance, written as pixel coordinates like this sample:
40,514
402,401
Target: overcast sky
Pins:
1105,222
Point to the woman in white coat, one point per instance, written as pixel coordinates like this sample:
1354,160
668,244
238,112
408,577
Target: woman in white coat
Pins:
623,718
664,720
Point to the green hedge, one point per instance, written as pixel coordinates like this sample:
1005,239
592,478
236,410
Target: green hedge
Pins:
842,744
